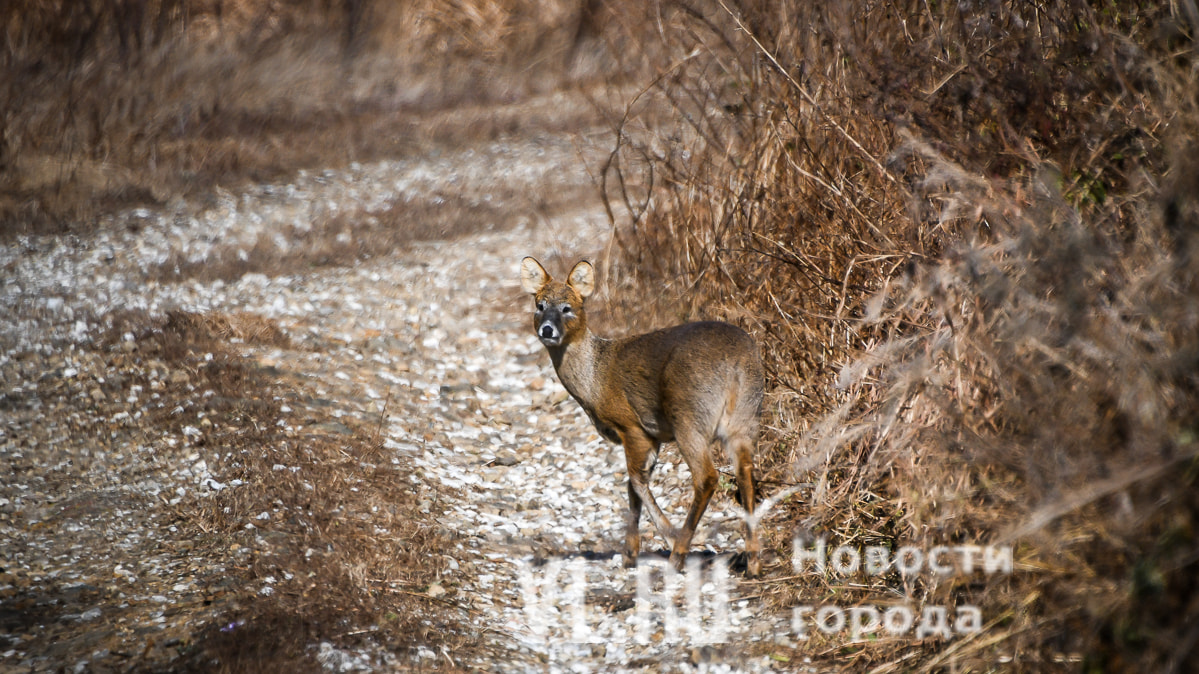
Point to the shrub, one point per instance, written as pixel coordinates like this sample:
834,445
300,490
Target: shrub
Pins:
965,235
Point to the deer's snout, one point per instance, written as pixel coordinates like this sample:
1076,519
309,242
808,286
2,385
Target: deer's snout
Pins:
549,332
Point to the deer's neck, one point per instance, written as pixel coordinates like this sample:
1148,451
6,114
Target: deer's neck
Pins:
580,364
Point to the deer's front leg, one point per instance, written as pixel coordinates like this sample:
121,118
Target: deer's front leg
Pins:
641,454
632,535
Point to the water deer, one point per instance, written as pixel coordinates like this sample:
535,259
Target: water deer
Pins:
697,384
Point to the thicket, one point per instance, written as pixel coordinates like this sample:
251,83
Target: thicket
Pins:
115,103
966,236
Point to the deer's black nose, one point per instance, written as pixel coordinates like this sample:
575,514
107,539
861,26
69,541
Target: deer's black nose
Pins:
547,331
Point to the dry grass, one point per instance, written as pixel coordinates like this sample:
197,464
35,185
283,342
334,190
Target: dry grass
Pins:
965,238
347,547
115,104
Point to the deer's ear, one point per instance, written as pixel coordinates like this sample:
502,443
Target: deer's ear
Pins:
533,276
582,278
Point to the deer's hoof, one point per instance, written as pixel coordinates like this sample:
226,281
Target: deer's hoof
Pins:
753,567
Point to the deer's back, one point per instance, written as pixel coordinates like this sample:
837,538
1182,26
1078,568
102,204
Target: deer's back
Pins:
707,373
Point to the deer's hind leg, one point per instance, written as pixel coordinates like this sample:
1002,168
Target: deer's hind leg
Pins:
741,450
695,447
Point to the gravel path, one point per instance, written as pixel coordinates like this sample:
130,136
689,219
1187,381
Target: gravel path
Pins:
433,342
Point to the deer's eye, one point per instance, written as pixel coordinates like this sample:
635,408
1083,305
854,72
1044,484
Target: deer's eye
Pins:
541,306
567,310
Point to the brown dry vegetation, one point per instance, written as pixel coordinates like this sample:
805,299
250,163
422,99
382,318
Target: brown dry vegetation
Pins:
347,545
966,235
110,104
352,532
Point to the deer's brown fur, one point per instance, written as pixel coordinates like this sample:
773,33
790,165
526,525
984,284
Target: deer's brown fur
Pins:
696,384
